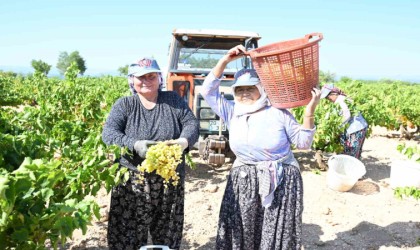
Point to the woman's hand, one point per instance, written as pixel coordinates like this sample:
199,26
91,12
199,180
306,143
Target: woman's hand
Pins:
309,116
316,96
183,142
142,146
234,53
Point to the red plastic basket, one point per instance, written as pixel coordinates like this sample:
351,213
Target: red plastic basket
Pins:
288,70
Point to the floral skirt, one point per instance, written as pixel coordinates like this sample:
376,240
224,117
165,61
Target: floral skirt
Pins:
353,143
137,209
245,224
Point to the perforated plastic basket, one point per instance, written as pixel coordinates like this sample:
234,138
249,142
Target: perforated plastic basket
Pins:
288,70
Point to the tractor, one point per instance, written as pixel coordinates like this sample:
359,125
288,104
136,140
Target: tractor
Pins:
192,55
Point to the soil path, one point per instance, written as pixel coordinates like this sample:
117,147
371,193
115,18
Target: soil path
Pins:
366,217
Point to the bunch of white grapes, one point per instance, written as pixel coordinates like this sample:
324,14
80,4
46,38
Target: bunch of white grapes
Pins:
163,159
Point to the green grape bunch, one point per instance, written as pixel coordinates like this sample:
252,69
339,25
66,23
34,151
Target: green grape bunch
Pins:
163,159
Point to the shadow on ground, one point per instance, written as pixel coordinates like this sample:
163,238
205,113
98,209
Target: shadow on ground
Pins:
208,246
376,170
365,236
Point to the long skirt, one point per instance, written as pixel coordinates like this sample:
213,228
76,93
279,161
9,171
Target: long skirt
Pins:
353,143
245,224
137,209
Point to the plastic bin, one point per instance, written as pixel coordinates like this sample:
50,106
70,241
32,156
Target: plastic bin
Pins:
154,246
405,173
343,172
288,70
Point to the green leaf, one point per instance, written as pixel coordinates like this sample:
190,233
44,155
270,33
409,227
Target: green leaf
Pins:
28,193
47,193
113,168
400,147
65,226
104,163
95,188
4,181
20,235
37,208
71,202
91,162
104,175
96,211
23,185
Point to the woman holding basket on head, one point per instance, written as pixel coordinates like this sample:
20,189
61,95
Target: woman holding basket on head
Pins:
263,201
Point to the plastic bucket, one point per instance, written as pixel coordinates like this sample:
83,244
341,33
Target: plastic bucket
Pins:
154,246
343,172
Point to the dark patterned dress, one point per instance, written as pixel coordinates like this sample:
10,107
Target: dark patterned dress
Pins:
353,143
245,224
139,209
354,136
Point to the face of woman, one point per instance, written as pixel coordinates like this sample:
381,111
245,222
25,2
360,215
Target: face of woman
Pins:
332,97
247,94
146,84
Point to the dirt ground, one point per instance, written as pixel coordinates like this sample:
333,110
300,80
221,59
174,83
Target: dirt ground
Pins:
366,217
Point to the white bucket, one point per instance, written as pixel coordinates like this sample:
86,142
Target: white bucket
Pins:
154,246
343,172
405,173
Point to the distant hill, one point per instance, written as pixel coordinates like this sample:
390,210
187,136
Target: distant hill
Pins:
17,69
100,72
54,72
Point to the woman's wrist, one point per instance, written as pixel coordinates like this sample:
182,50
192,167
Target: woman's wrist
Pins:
309,112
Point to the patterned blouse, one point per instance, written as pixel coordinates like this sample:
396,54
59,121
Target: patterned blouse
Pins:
130,121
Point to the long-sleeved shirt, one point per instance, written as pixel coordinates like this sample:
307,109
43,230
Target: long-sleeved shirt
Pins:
357,122
265,135
345,111
130,121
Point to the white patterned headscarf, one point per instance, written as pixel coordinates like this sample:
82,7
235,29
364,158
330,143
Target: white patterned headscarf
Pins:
249,77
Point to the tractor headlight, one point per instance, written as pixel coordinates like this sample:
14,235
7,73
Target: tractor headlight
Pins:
207,114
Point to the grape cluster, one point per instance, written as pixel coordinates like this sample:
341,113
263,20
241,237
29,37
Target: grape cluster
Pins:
163,159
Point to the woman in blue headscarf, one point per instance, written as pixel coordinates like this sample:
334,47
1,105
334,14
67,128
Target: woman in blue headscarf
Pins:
263,201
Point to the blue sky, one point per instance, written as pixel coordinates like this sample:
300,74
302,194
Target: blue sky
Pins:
362,39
